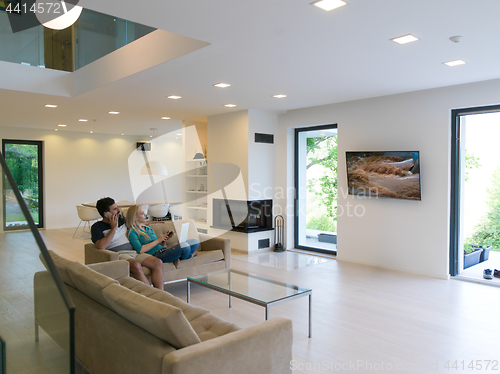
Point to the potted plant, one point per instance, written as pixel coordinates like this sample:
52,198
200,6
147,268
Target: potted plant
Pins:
485,254
472,255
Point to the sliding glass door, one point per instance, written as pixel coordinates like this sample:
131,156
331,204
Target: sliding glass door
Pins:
475,199
24,159
316,188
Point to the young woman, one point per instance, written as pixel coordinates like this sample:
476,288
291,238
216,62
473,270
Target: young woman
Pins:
144,240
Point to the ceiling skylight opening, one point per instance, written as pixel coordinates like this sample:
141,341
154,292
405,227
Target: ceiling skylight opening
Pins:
230,105
405,39
173,97
454,63
165,118
113,112
50,106
329,4
279,96
222,85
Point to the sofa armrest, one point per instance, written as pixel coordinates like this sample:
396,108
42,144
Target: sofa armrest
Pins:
211,243
262,348
113,269
94,255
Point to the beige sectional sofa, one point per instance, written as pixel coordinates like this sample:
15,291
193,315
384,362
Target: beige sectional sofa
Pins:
214,253
125,326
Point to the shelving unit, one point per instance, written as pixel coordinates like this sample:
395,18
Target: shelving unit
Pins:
196,191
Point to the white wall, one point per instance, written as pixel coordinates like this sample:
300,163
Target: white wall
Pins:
227,140
410,236
83,167
261,156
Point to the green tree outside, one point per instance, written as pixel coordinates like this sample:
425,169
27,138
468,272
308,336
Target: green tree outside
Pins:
322,151
487,231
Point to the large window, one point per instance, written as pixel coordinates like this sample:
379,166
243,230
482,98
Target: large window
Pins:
24,160
316,188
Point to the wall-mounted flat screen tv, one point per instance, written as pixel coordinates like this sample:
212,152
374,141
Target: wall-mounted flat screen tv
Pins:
384,174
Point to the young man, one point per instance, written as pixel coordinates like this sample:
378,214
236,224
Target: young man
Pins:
110,234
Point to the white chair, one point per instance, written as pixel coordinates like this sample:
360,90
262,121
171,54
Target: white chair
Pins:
158,211
86,215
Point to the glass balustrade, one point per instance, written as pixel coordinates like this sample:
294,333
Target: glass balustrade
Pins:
93,36
36,311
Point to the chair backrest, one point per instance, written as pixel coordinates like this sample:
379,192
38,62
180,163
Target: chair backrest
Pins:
87,213
158,210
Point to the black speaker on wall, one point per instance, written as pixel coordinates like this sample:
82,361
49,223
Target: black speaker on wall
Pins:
143,146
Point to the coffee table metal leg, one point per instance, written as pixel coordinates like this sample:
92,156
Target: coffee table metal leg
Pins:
310,311
267,312
230,301
188,291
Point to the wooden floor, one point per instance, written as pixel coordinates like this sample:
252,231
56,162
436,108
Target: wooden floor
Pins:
365,319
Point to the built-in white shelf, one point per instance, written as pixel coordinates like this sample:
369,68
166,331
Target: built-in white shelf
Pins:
196,207
203,192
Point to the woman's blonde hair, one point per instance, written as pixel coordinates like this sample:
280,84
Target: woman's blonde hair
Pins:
130,221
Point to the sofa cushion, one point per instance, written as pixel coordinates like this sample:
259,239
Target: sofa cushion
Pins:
160,319
209,326
191,312
90,282
202,258
61,265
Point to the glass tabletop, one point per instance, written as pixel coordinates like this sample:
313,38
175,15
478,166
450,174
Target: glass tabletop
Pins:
251,286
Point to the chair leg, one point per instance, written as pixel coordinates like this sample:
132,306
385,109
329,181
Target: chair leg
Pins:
77,230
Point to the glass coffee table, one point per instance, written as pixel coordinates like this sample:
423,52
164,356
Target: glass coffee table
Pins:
252,288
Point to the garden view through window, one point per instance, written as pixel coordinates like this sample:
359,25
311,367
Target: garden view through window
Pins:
480,227
316,186
24,161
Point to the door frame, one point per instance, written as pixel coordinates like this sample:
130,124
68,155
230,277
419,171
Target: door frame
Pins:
296,185
38,143
456,180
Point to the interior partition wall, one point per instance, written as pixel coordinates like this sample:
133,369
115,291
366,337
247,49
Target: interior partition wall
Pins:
315,222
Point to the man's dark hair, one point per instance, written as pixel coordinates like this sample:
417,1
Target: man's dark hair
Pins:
103,205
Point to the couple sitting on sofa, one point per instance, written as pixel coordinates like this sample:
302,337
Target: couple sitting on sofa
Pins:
136,241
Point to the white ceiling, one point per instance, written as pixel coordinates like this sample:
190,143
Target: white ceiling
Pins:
266,47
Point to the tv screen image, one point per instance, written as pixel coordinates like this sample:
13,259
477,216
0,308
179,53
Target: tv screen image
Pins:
384,174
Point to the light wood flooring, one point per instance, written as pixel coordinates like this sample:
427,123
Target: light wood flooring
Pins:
365,319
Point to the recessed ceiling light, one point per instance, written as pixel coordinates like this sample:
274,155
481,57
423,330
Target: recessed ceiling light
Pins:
165,118
178,134
173,97
454,63
50,106
222,85
61,125
405,39
329,4
230,105
55,129
123,134
82,120
91,132
112,112
279,96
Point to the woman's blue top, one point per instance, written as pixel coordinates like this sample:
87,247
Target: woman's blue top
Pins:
138,241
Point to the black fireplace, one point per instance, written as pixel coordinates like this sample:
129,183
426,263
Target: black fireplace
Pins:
243,216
